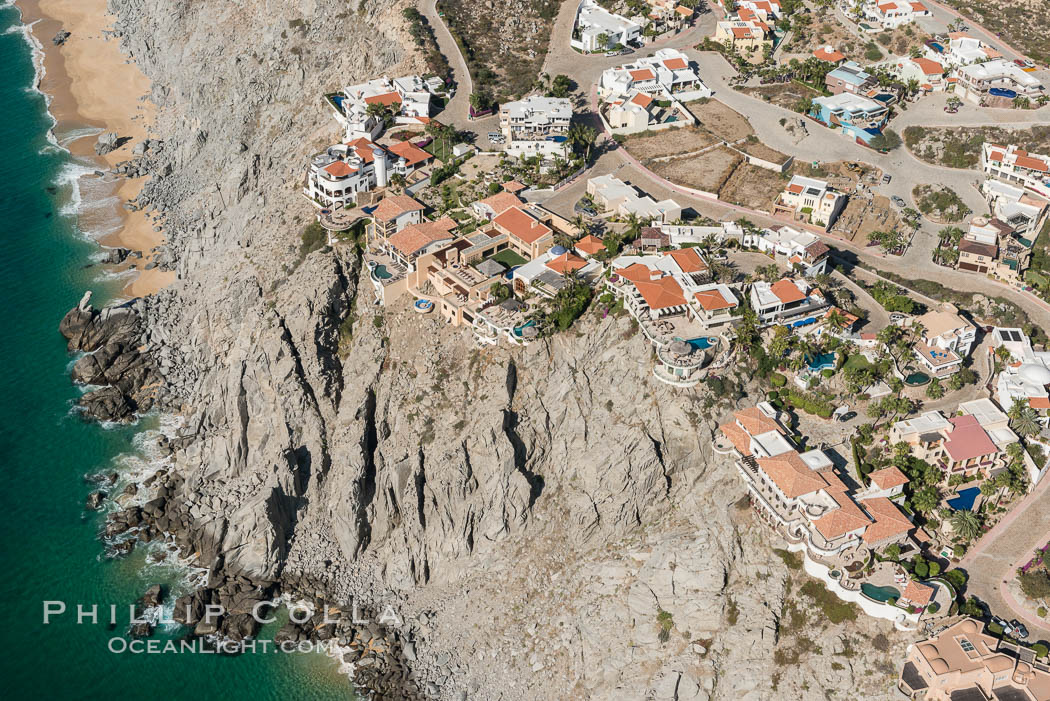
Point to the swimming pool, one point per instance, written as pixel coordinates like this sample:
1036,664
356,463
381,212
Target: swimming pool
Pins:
527,324
882,594
382,273
824,361
916,379
965,499
702,342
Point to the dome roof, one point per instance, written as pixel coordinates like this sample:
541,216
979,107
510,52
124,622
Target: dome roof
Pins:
929,651
558,250
968,627
939,666
1035,373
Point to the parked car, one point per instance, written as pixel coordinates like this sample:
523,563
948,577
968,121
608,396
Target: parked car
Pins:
1029,63
612,53
886,179
1000,622
899,202
1019,631
848,416
1019,62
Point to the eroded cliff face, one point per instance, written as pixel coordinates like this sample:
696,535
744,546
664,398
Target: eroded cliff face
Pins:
528,513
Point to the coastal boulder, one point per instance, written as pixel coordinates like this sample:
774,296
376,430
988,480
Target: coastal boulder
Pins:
107,142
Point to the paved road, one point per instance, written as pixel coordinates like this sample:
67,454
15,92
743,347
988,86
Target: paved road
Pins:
455,112
991,563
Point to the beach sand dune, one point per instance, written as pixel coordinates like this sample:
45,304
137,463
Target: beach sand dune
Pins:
92,84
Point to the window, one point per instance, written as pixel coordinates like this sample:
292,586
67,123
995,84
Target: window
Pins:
966,645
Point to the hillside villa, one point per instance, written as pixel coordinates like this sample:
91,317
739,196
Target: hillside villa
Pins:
810,200
536,126
1016,166
667,71
614,195
597,29
639,111
792,302
962,662
409,97
792,248
850,77
337,176
890,14
927,72
976,81
859,117
748,38
1026,376
945,342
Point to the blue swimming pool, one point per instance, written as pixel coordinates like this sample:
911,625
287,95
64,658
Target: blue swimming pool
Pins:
702,342
527,324
964,501
824,361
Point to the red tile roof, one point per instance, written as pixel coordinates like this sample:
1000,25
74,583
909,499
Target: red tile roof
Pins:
642,100
590,244
391,208
787,291
513,186
339,169
1031,163
566,262
1039,402
928,66
412,239
661,293
643,74
918,594
890,522
967,439
501,202
755,422
412,154
689,260
387,98
888,478
737,436
831,56
791,474
676,64
521,225
712,300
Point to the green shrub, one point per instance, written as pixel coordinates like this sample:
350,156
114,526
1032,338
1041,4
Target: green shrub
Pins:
827,372
1041,612
792,560
777,380
835,609
1040,649
995,628
809,403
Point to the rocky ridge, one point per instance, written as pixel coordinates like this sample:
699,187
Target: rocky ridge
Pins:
530,515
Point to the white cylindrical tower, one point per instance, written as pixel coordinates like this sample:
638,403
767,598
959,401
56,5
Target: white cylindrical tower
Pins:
379,159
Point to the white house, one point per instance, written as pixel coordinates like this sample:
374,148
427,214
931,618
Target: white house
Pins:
667,70
962,49
978,81
927,72
1017,208
810,200
946,341
894,13
547,274
791,246
597,29
614,195
335,177
409,95
1026,376
790,301
1018,167
536,126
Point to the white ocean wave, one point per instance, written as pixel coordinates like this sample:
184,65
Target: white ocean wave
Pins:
39,70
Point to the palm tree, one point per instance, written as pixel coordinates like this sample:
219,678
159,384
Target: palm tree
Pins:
965,523
1027,423
926,499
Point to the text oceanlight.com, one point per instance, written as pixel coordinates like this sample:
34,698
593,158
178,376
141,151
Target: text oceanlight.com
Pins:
222,647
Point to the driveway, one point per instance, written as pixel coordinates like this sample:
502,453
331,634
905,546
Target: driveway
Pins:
456,110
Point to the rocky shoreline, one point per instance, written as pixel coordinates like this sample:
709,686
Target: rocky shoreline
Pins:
548,522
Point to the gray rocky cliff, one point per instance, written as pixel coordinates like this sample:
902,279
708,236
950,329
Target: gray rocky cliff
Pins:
528,513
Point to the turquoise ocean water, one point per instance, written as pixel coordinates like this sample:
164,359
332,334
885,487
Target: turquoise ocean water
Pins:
49,544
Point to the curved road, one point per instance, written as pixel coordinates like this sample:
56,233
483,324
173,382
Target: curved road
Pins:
455,112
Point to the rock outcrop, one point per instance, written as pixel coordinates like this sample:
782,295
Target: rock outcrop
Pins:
547,522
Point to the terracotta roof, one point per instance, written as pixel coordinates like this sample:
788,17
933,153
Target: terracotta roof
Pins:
676,64
521,225
838,522
817,249
787,291
713,300
689,260
995,156
977,248
391,208
636,272
967,439
929,67
737,436
642,100
513,186
918,7
363,148
741,32
414,238
590,244
684,11
791,474
339,169
795,189
566,262
755,422
643,74
1031,163
1039,402
387,98
889,521
832,56
888,478
918,594
501,202
661,293
412,154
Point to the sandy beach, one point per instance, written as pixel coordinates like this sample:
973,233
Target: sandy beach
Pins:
93,85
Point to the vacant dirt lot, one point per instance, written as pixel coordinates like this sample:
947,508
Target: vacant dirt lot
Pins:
669,142
960,147
753,147
721,120
825,29
708,171
784,95
754,187
863,216
1024,24
940,204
